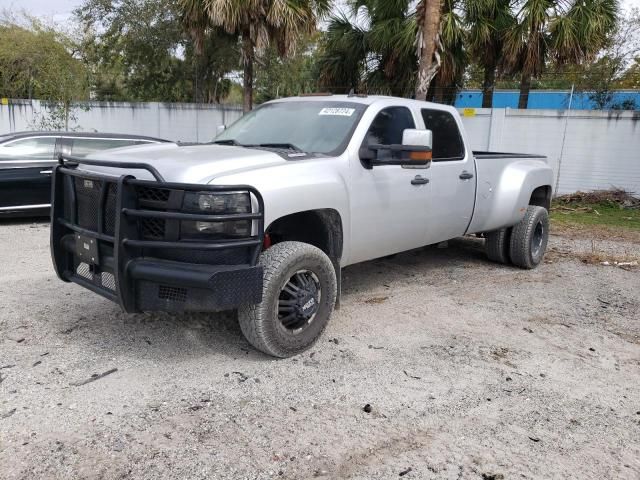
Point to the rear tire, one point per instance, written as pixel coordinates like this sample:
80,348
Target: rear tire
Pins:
298,297
497,245
529,238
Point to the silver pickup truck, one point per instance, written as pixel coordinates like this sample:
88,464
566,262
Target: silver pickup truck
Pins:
264,218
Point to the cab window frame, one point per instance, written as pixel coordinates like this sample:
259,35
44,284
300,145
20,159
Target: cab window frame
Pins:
463,154
409,111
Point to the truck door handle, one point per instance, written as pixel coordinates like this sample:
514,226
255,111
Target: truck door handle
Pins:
466,175
419,180
45,172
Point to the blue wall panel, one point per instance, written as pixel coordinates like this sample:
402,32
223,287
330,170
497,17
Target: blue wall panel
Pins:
541,99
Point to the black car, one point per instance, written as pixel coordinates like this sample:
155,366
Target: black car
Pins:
26,159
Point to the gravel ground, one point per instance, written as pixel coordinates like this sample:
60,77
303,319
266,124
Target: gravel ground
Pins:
472,370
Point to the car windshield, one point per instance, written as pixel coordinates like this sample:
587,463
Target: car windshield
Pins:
307,126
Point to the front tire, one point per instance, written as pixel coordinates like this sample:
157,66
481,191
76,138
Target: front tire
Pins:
529,238
298,297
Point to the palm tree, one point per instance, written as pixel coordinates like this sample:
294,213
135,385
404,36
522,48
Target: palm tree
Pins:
374,49
260,23
487,22
371,49
454,58
194,17
429,44
565,31
213,51
342,61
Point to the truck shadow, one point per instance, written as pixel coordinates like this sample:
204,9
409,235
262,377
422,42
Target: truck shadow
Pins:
11,220
184,336
430,264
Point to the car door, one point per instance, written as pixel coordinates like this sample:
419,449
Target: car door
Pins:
25,173
389,202
452,173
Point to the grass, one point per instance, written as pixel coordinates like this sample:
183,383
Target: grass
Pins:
605,213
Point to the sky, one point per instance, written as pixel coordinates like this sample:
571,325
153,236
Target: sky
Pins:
60,10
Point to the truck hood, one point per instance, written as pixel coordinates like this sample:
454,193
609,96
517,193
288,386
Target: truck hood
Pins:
186,163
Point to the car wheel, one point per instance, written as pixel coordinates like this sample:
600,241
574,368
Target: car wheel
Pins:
298,297
497,245
529,238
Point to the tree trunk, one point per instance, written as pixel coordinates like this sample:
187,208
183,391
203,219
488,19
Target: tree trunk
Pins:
67,107
489,85
198,87
525,87
247,79
432,94
429,60
439,90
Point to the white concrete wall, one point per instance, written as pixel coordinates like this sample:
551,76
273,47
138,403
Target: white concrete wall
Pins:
185,122
591,149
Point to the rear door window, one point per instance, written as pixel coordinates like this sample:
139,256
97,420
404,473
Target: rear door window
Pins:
84,146
34,148
447,141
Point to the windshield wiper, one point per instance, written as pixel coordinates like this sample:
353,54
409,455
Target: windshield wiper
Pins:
288,146
227,142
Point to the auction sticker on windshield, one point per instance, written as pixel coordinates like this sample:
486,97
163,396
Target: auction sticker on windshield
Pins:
340,112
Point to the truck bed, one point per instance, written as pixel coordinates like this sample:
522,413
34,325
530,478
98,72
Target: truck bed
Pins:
502,193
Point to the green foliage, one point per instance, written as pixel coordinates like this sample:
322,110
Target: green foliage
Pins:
138,50
611,69
454,56
608,214
262,24
57,116
630,79
130,46
614,68
279,76
36,62
563,31
487,23
372,50
209,68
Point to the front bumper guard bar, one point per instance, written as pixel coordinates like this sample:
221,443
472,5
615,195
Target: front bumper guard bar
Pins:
141,273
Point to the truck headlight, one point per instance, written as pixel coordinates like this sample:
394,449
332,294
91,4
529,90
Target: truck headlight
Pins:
217,204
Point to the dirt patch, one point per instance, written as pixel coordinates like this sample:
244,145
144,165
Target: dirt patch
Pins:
376,300
608,233
595,257
470,370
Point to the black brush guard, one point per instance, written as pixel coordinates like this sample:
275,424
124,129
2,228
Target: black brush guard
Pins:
120,237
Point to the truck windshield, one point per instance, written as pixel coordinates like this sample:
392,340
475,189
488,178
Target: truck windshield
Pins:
308,126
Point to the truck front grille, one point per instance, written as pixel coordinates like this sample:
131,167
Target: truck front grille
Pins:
88,193
88,198
153,194
152,228
110,210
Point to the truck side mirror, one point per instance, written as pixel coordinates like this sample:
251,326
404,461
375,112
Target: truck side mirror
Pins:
418,138
220,129
415,150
